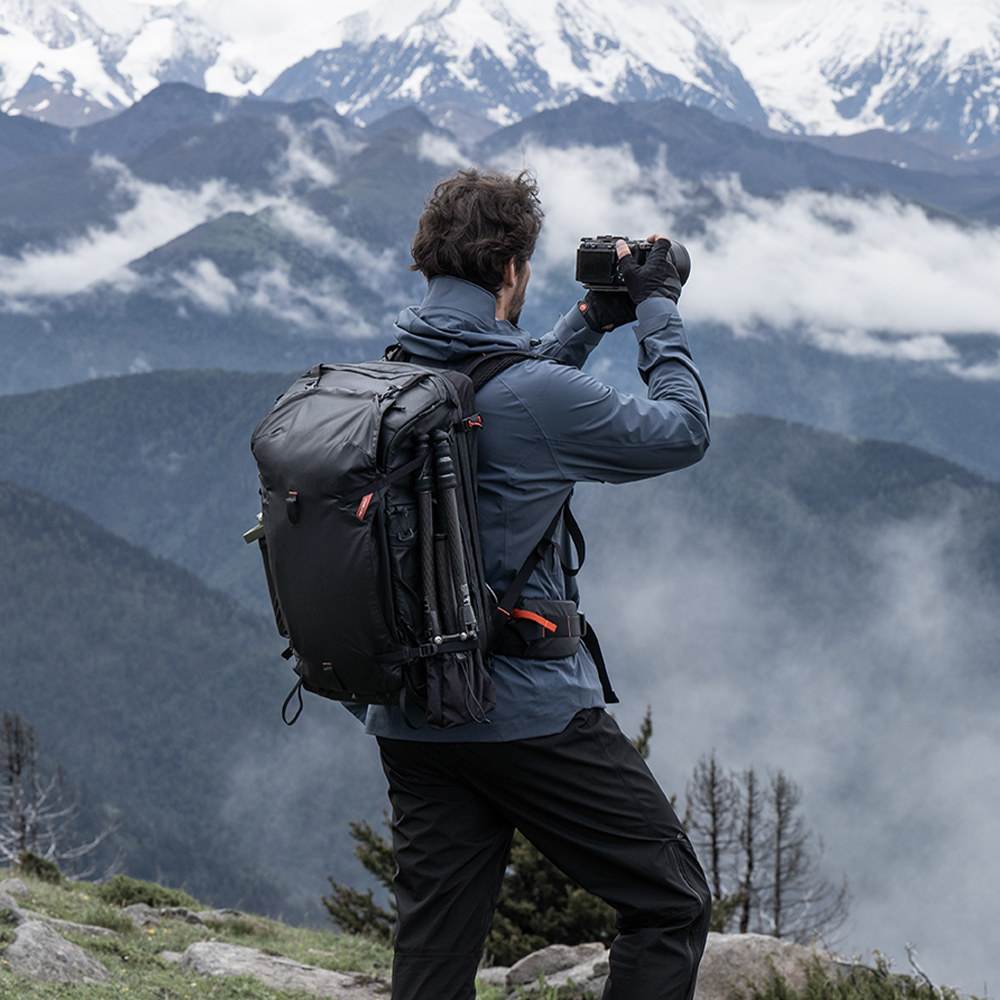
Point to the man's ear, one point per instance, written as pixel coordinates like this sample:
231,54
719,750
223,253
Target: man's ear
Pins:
510,273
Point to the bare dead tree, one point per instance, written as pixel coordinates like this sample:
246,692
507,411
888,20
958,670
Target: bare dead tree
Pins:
751,808
38,806
798,902
713,807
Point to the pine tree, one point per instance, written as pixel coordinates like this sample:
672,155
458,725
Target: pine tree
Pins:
357,912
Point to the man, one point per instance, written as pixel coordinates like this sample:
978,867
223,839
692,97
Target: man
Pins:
550,761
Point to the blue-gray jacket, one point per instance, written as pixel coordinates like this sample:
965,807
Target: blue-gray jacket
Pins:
545,427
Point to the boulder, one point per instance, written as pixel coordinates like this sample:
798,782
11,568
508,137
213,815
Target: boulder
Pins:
212,958
40,953
589,976
495,975
19,915
14,887
9,904
733,960
142,914
554,958
69,927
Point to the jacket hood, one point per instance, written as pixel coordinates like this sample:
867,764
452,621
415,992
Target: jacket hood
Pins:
456,320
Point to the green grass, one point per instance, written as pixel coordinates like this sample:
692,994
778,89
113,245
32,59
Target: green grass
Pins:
137,971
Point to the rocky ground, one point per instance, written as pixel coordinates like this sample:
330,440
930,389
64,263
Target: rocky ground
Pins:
38,947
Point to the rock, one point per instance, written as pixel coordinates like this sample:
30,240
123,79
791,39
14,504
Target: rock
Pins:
62,926
731,960
211,958
585,974
14,887
181,913
555,958
40,953
68,927
219,915
174,957
142,914
495,975
9,904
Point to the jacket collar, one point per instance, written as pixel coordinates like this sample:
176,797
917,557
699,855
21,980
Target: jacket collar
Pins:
456,320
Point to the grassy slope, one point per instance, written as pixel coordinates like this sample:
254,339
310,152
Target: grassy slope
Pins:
137,971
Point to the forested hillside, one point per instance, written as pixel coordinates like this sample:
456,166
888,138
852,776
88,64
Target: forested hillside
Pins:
152,691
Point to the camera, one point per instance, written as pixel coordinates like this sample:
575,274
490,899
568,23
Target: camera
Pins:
597,261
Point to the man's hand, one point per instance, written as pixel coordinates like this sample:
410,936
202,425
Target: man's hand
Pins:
604,311
658,276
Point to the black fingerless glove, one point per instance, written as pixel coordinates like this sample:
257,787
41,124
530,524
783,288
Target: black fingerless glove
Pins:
604,311
657,276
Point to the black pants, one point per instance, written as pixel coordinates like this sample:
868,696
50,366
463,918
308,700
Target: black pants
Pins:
587,801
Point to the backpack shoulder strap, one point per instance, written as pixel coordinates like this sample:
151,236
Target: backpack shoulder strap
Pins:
486,366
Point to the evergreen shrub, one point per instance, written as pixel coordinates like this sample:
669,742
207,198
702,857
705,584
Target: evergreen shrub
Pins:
124,891
41,868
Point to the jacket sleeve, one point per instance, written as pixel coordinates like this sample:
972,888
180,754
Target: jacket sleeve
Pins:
570,341
595,433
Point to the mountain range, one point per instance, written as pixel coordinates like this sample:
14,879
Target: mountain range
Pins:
196,229
808,68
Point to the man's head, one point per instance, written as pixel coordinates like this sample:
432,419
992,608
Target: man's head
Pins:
475,224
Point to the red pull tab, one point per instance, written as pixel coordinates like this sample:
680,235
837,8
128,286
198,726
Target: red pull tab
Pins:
363,506
531,616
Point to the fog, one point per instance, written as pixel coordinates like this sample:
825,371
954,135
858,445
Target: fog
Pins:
881,701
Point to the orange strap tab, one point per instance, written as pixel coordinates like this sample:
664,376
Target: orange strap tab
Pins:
531,616
363,507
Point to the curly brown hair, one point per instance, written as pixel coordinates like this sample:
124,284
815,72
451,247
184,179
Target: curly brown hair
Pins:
474,223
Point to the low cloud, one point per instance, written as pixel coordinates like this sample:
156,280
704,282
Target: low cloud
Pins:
205,286
864,276
870,679
159,215
317,308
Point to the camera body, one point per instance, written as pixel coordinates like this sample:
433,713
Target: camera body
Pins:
597,261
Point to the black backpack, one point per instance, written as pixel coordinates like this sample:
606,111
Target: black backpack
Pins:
370,540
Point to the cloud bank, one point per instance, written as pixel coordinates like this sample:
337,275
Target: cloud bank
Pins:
863,276
158,215
875,689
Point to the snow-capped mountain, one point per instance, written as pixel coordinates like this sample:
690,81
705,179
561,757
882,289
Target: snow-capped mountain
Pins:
510,60
68,65
893,64
804,66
